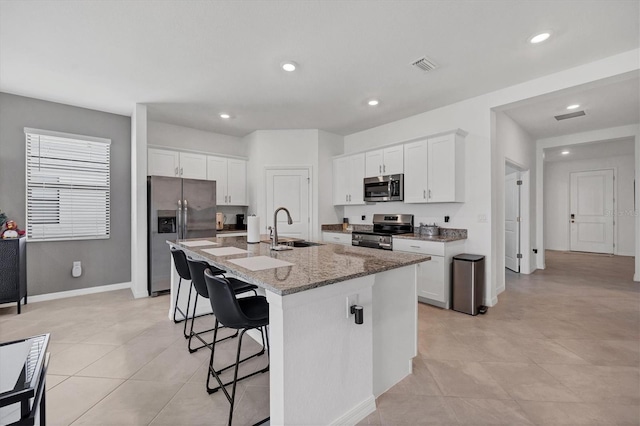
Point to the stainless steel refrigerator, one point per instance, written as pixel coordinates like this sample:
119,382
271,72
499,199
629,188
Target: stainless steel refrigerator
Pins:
176,209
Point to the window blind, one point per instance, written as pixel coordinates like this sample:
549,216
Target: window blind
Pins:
68,186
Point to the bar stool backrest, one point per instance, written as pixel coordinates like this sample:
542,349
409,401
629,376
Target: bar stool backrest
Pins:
224,303
197,268
180,260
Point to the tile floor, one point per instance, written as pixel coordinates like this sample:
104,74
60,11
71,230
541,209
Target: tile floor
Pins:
562,347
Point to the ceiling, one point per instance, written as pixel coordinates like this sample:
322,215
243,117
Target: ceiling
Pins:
589,151
190,61
610,103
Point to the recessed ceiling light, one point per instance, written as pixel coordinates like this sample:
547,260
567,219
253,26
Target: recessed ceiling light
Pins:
574,106
564,152
373,102
225,115
289,66
539,38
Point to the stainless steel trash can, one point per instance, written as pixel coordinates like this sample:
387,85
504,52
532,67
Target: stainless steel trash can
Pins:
467,286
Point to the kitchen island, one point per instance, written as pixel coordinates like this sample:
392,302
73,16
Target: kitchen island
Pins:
325,368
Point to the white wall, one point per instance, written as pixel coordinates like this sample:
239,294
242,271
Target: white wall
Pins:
483,152
329,145
281,148
185,138
557,200
514,144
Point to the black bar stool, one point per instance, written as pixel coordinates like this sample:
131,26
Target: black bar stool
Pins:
180,260
196,269
244,314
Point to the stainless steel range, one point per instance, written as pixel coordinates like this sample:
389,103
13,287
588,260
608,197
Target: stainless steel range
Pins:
384,227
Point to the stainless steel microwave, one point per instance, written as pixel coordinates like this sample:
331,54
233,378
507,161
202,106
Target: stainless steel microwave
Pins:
384,188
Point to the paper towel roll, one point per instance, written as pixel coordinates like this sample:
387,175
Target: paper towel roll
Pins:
253,229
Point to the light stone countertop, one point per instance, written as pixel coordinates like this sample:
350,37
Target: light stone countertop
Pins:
439,238
312,266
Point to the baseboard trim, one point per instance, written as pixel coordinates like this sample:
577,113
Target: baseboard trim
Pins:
636,277
357,413
78,292
139,294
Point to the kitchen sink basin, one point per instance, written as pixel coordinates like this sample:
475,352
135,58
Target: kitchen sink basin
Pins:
305,244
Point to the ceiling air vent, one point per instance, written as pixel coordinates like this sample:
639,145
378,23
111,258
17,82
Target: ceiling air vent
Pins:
570,115
425,64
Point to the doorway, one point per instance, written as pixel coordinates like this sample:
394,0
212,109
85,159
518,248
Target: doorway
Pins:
590,216
289,187
512,253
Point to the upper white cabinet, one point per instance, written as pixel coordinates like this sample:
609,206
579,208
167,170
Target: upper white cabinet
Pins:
434,169
387,161
348,177
230,175
164,162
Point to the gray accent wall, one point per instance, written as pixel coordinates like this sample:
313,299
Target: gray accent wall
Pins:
49,263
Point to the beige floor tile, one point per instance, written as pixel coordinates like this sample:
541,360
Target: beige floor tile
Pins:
133,403
54,380
599,383
546,351
74,396
372,419
445,346
126,360
118,334
465,379
172,365
396,409
571,413
77,357
605,352
487,412
420,382
192,405
253,406
529,382
496,348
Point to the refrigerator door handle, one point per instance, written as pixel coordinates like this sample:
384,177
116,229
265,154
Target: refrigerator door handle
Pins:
179,219
184,222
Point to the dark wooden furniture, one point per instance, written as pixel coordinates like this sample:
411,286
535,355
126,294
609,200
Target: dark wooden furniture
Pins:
13,270
25,399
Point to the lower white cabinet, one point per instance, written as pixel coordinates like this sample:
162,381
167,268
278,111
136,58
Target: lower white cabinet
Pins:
434,276
337,238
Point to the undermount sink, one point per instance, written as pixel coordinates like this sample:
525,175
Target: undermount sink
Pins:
305,244
293,243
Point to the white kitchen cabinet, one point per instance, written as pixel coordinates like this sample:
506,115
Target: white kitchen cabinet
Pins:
165,162
415,172
162,162
336,238
434,169
387,161
348,177
193,166
434,276
230,175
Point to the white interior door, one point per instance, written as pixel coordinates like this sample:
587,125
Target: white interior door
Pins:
591,218
289,188
511,223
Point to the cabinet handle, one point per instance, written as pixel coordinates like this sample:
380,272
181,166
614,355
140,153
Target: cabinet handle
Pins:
346,198
429,194
424,194
336,238
384,168
349,197
415,247
176,171
379,169
181,171
229,198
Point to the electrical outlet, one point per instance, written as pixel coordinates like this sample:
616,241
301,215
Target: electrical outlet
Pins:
482,218
352,299
446,219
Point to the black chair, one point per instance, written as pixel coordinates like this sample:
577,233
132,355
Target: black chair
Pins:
180,260
196,269
244,314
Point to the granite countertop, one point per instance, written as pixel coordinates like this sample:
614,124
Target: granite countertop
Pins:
312,266
439,238
232,231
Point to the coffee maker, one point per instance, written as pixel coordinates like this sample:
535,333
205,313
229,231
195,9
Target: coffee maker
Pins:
240,222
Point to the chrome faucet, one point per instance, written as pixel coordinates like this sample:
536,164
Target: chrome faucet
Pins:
274,241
